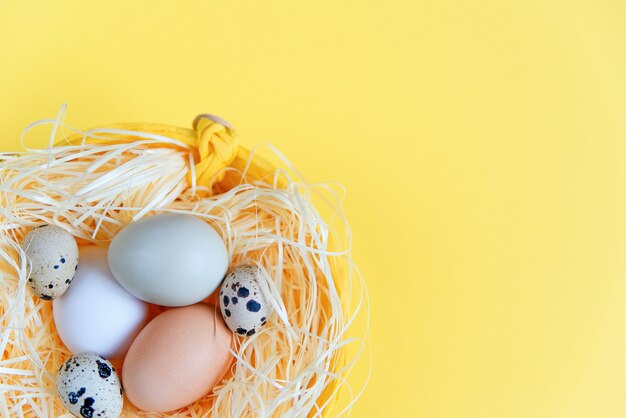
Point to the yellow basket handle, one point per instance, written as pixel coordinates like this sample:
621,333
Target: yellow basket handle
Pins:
217,144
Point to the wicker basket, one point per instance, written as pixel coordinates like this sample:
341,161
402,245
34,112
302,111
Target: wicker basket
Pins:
216,165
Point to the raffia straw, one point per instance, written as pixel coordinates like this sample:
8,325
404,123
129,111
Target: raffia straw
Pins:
294,367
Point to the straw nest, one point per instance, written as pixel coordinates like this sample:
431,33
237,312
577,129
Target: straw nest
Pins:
93,183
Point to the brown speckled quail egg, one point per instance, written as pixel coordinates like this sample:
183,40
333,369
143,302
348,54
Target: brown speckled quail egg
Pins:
89,387
242,302
53,260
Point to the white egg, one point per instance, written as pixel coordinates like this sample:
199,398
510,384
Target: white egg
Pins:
53,256
243,304
89,387
96,314
169,259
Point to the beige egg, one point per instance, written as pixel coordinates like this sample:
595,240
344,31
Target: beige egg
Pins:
177,358
53,259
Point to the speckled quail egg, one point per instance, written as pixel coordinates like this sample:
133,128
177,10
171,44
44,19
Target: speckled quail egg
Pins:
89,387
53,260
243,304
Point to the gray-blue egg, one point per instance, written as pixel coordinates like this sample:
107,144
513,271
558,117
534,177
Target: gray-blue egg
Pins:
169,259
89,387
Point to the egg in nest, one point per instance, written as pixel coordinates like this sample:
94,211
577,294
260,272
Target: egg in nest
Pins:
89,387
53,259
243,303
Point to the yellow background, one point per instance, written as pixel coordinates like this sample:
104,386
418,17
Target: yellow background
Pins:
483,145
